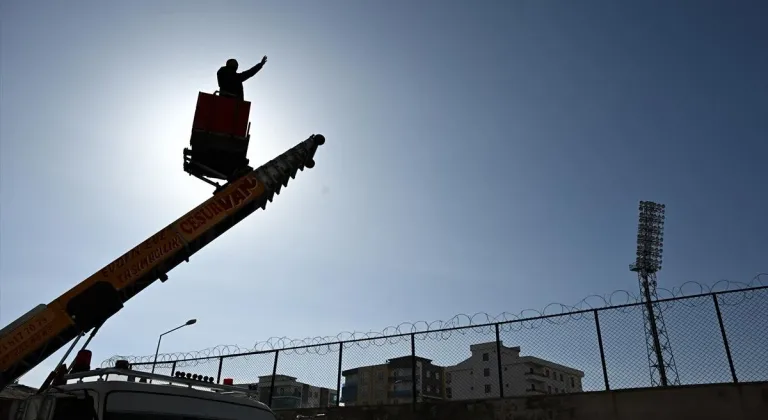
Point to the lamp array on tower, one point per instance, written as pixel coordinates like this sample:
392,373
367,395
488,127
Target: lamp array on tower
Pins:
650,237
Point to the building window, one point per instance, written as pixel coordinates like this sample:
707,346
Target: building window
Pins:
487,388
486,357
561,377
429,374
547,372
448,392
429,388
505,368
573,383
533,387
487,372
381,376
549,389
437,375
448,377
530,370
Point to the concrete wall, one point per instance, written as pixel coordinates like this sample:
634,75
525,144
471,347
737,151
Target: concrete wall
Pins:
699,402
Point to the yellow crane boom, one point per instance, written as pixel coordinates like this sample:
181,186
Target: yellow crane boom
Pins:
45,329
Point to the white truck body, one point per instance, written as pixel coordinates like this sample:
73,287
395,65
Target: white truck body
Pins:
117,397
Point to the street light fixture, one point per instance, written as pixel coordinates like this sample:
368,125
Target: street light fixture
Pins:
190,322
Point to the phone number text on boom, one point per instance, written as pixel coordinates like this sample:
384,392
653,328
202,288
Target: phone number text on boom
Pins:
24,339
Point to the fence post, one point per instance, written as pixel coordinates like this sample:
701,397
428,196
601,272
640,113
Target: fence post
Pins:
338,375
221,364
414,390
272,382
602,349
498,362
173,368
725,338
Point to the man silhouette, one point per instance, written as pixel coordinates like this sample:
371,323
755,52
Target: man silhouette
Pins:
231,82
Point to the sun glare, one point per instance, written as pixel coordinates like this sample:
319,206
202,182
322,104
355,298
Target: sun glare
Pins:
162,130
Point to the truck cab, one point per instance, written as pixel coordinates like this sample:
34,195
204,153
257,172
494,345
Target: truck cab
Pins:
123,394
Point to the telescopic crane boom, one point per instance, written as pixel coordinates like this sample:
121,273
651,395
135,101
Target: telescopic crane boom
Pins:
45,329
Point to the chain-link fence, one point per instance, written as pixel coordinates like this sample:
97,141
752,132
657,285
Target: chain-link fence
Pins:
701,339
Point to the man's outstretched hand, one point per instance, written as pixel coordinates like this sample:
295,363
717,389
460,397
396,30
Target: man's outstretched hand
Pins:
264,60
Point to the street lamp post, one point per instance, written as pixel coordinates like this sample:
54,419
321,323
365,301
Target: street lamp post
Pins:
190,322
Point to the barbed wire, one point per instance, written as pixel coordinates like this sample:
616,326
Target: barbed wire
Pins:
554,313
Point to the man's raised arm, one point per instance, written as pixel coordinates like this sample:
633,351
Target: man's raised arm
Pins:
252,71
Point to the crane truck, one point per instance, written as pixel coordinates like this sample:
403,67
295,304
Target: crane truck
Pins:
218,148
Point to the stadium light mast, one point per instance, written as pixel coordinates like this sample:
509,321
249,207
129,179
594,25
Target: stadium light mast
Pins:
650,244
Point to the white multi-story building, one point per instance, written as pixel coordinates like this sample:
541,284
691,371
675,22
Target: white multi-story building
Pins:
478,376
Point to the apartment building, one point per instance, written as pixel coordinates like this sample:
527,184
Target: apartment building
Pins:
477,377
290,393
392,382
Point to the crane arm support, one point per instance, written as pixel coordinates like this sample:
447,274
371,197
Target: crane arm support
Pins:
42,331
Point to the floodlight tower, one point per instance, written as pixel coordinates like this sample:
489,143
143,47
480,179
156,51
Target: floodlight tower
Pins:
650,240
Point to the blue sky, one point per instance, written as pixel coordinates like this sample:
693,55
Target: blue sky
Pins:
484,158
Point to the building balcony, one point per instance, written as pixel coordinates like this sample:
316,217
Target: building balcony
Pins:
292,394
535,376
400,393
535,391
401,372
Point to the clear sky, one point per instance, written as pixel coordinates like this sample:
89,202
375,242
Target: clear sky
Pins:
479,158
